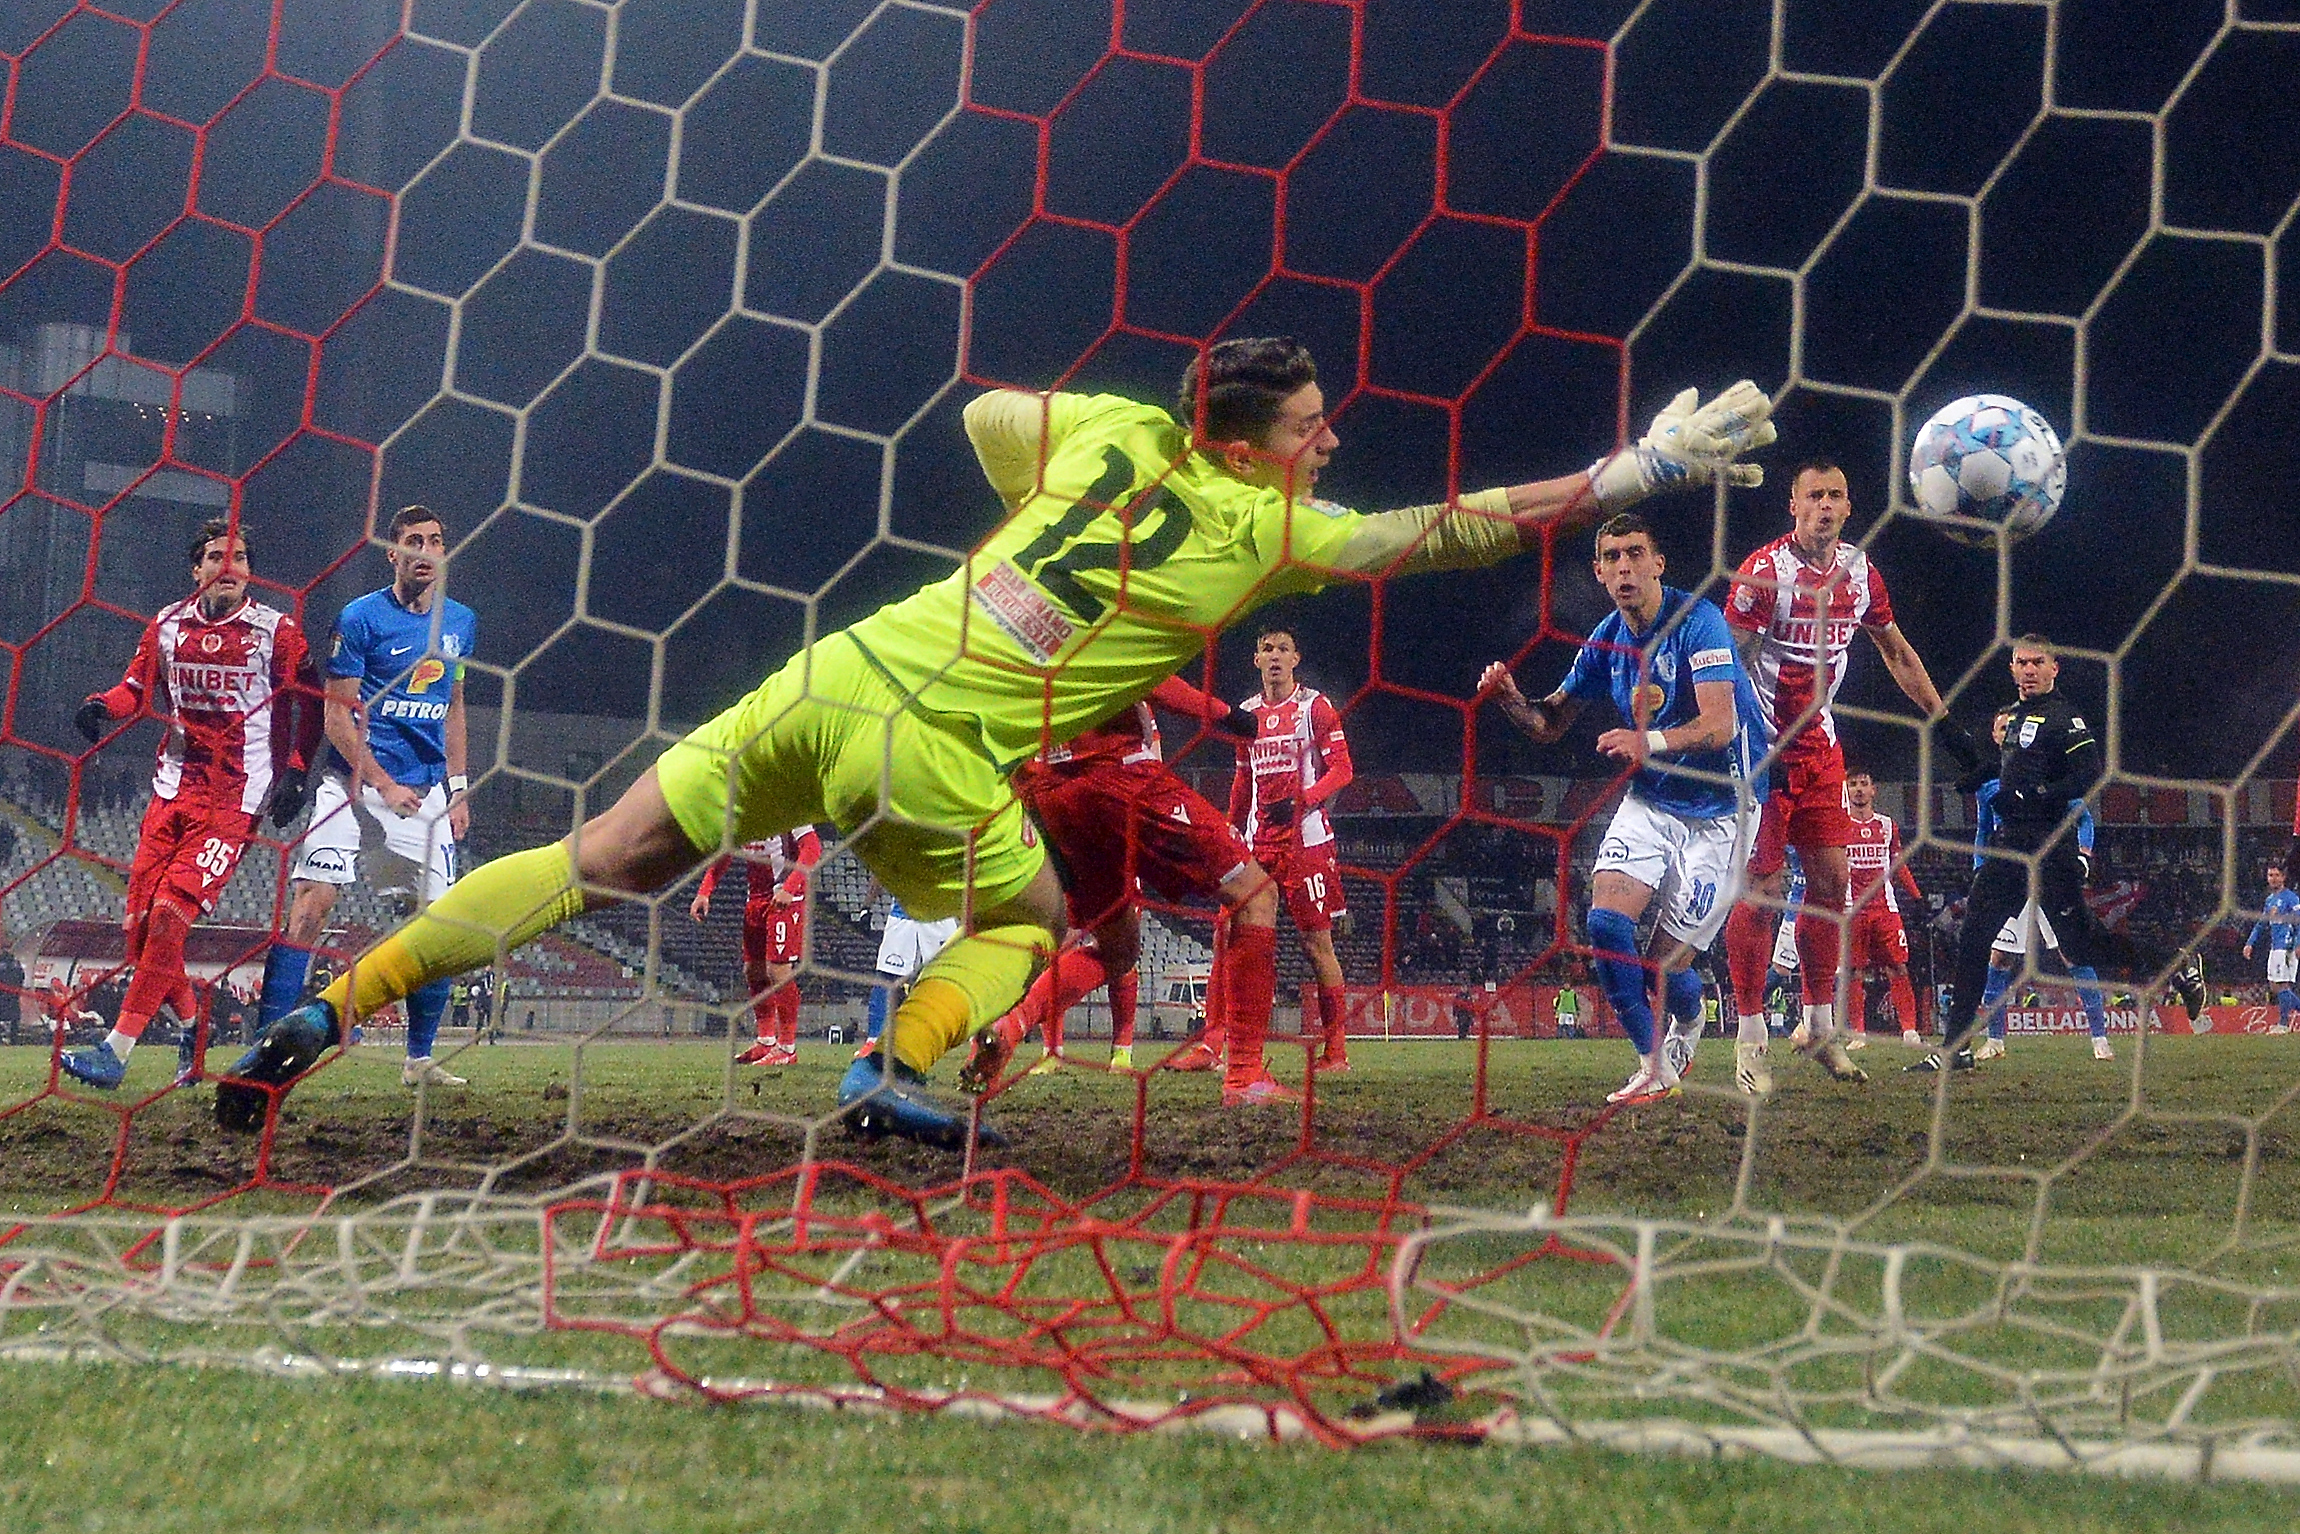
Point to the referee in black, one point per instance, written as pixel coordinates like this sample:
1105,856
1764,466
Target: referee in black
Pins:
2050,760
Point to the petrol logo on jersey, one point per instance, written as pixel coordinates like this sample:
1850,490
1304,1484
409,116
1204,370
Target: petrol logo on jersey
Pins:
1646,701
427,671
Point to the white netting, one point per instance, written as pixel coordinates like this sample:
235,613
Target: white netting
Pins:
670,305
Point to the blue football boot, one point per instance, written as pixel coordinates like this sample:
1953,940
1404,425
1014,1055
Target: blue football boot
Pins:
287,1049
880,1104
94,1064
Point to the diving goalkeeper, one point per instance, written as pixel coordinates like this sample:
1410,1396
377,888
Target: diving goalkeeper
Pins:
1133,541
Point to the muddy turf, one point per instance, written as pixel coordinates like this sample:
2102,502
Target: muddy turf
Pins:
2183,1137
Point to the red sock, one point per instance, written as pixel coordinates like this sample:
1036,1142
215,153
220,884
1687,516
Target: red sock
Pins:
787,1014
1748,951
764,1004
1333,1006
1217,1034
1819,941
1250,991
1905,1001
1125,992
160,977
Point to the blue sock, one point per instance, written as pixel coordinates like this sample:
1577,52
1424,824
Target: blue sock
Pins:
1614,936
2095,1004
1685,996
2287,1003
286,968
1999,982
425,1007
878,1003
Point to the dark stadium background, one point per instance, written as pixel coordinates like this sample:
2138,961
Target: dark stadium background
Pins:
2207,673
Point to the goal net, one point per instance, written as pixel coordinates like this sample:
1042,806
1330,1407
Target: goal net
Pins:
670,308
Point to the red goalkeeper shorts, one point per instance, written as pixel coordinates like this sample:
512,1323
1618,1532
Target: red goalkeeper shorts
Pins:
1111,825
773,934
186,853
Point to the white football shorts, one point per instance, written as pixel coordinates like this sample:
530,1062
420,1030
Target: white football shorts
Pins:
415,854
2012,937
1693,866
2284,966
908,943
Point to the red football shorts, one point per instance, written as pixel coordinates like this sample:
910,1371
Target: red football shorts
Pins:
1879,940
186,853
773,934
1310,879
1809,811
1113,824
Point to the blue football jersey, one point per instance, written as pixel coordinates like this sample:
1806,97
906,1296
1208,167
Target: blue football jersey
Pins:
408,664
1650,678
2283,911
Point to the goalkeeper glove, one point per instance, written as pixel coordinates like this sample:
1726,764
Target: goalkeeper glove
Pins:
92,720
287,795
1240,721
2084,865
1690,443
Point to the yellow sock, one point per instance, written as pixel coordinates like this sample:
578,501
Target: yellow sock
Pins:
975,978
507,902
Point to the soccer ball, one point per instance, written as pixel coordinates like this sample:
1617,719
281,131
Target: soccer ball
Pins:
1990,458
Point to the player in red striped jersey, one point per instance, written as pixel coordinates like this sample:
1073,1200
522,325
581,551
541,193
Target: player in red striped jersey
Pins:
231,679
1879,939
1796,604
1117,820
775,872
1298,762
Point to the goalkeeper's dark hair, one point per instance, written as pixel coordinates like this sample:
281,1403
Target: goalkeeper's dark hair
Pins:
1277,626
219,527
1625,524
414,516
1246,382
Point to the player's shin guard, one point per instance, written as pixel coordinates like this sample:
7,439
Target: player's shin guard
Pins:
1820,942
1333,1011
1684,996
286,968
1250,990
507,902
1748,954
786,1008
875,1015
976,978
1125,998
1217,1035
2089,993
1905,1002
160,977
426,1008
1620,972
1992,998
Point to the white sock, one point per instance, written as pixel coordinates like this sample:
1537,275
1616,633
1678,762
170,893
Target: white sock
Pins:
1749,1028
119,1044
1820,1022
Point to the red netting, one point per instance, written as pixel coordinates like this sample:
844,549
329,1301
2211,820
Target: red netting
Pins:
674,301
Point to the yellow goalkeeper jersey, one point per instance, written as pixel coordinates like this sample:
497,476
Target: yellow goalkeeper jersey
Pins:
1125,553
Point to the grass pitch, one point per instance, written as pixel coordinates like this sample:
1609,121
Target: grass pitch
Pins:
2184,1159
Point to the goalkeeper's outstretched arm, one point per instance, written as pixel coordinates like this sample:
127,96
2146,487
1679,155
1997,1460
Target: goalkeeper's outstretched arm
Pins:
1691,443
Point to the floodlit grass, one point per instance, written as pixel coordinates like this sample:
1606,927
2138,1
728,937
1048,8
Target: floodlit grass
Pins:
2048,1154
102,1448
